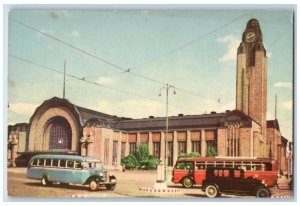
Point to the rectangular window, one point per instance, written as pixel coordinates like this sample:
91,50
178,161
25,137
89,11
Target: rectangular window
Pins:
115,153
55,163
70,164
185,166
123,149
77,164
182,147
196,146
106,151
200,165
156,149
211,144
256,166
170,154
34,162
48,162
62,163
132,147
246,166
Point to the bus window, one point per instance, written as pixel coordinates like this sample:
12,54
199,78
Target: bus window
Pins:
256,166
219,164
34,162
200,165
228,164
226,173
40,162
70,164
237,173
268,166
237,165
185,166
246,166
55,163
47,162
210,164
62,163
77,164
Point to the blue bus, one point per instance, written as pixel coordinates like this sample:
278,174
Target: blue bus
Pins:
66,169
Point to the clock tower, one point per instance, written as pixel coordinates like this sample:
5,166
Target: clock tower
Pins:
251,75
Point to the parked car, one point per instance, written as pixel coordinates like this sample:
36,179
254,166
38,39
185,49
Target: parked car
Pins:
230,180
67,169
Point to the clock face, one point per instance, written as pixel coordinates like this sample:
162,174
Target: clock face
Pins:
250,37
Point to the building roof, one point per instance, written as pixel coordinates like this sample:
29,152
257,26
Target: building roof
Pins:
88,117
175,122
273,124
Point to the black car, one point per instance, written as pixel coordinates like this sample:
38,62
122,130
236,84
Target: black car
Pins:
229,180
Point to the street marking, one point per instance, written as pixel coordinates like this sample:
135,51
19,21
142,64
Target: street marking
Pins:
159,190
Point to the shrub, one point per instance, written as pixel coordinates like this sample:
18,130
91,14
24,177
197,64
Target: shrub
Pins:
192,154
211,152
140,159
130,162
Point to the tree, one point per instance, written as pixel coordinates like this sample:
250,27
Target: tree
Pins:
211,152
140,159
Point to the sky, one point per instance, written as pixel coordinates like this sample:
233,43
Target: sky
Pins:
118,61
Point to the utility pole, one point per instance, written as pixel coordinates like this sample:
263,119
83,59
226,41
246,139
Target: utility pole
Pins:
275,106
64,87
167,87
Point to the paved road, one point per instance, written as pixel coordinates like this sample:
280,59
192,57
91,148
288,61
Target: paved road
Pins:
129,185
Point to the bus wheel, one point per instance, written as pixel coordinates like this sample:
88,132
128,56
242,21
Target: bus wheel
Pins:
94,185
211,191
263,192
45,182
187,182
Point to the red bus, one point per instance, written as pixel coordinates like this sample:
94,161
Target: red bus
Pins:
191,171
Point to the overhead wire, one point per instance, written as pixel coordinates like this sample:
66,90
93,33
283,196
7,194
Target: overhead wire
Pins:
94,83
129,69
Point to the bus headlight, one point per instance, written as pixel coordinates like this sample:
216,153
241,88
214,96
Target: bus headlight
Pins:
101,174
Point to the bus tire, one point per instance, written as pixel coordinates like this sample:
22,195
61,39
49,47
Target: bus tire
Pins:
93,185
211,191
45,182
187,182
263,192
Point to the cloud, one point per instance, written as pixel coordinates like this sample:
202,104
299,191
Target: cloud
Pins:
22,108
232,42
287,85
287,104
75,33
105,80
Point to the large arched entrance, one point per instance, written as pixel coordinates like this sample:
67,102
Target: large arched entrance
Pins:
60,134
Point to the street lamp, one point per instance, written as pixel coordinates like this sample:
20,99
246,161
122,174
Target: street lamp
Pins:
167,87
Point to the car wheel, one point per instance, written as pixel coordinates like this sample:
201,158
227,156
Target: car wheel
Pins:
263,192
45,182
94,185
211,191
187,182
111,187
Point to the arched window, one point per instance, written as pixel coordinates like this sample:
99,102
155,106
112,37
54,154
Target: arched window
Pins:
60,134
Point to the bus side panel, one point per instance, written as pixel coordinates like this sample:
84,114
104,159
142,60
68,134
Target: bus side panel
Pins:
270,178
199,176
35,173
70,176
179,174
